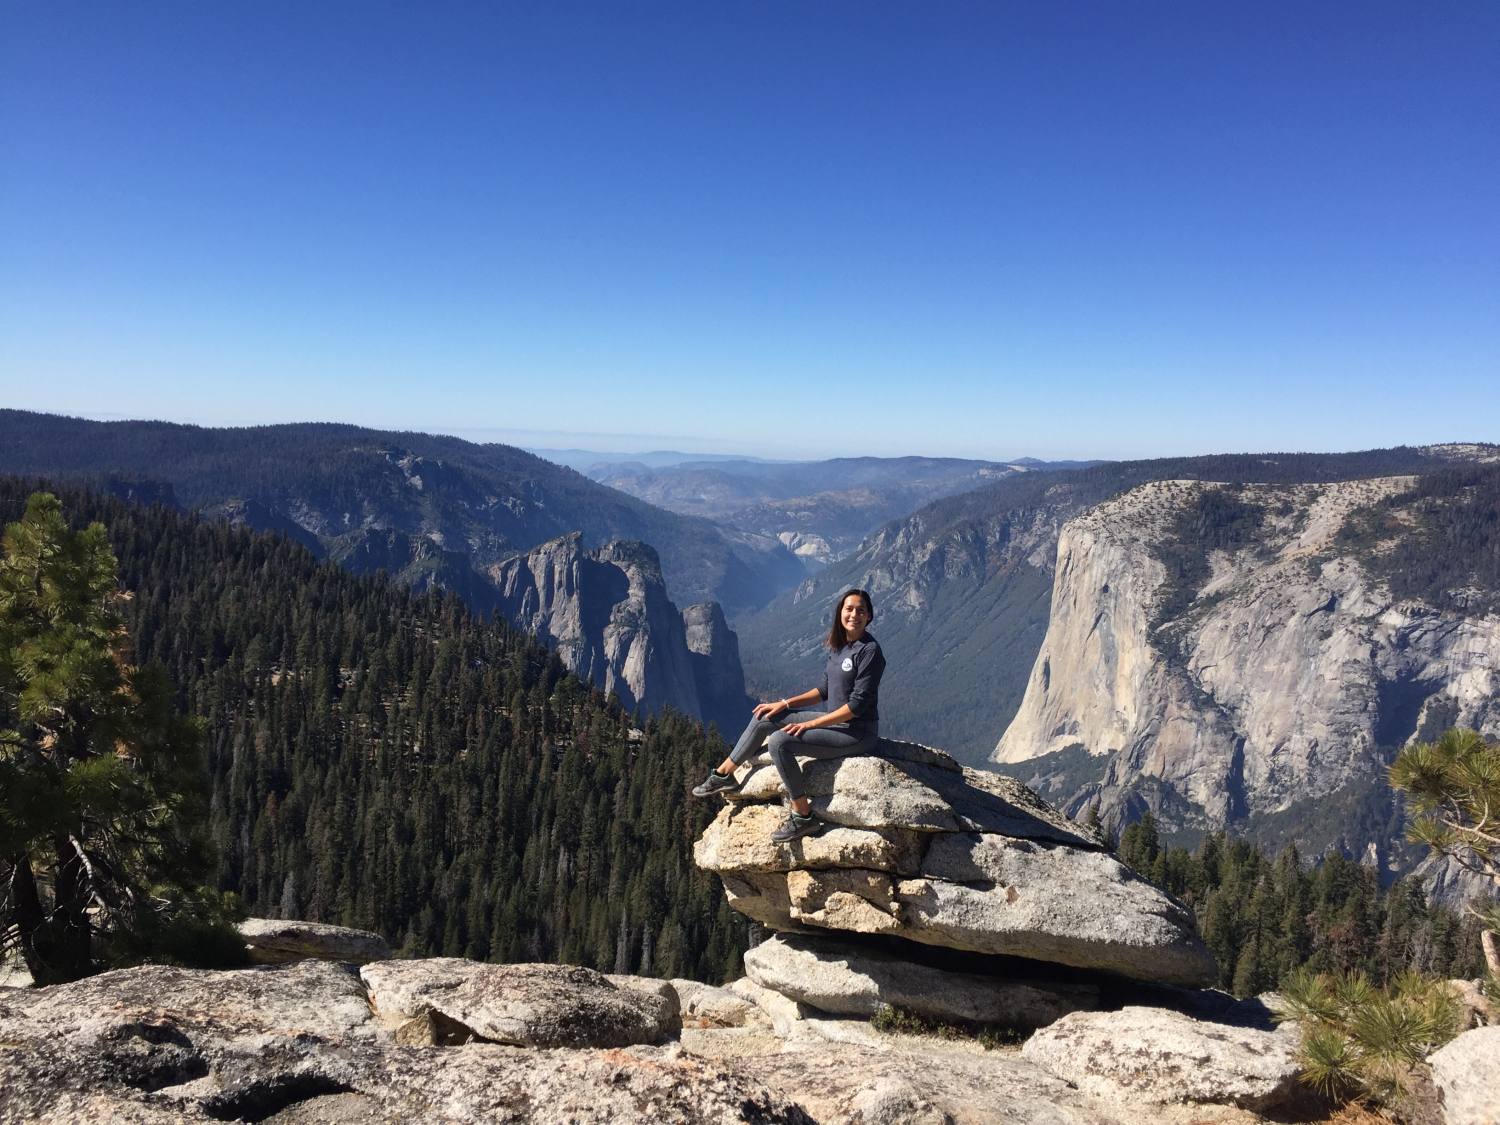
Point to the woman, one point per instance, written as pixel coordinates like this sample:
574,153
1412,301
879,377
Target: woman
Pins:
850,725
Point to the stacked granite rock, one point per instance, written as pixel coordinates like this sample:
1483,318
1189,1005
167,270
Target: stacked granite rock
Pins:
933,856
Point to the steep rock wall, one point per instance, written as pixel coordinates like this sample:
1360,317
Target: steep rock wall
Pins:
1284,672
607,615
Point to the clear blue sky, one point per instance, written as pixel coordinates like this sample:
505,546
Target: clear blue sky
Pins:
986,229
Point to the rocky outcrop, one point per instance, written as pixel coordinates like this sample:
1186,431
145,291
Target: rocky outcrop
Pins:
707,1005
607,615
314,1041
273,941
1466,1073
921,849
300,1043
1154,1055
173,1045
847,979
522,1005
1279,673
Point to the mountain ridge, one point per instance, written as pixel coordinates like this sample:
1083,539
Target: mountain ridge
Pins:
487,501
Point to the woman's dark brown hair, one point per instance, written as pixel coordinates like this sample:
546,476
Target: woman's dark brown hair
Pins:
837,638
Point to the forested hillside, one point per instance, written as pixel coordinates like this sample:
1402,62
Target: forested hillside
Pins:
1263,917
388,760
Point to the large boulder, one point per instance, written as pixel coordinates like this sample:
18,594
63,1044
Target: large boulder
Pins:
1467,1075
1158,1056
847,979
523,1005
275,941
934,794
922,849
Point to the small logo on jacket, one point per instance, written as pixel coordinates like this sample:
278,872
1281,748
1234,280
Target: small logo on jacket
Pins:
848,664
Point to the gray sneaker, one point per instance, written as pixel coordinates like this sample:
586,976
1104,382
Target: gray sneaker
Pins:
796,827
716,782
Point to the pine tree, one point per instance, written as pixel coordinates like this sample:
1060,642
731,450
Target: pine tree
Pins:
103,814
1453,785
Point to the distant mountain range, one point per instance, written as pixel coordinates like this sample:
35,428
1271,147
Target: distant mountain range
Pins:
585,459
335,486
819,509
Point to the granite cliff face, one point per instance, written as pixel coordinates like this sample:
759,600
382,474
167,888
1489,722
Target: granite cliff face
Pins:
607,615
715,657
1272,676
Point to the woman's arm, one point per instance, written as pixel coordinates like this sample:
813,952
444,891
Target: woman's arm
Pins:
791,703
840,714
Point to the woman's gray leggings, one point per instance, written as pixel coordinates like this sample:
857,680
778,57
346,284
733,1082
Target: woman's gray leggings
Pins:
819,742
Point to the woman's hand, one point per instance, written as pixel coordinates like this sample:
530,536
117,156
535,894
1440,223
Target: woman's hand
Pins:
795,729
766,710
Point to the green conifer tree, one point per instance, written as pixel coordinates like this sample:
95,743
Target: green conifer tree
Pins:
103,814
1453,785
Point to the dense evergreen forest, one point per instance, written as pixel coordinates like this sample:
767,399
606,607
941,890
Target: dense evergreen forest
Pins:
1263,917
387,760
1440,542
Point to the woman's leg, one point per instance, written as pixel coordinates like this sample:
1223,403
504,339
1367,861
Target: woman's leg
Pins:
756,731
819,742
749,744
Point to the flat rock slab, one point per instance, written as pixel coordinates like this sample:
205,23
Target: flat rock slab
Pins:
1075,916
846,979
1160,1057
522,1005
1050,903
311,998
870,792
1467,1075
272,941
471,1085
297,1043
934,1083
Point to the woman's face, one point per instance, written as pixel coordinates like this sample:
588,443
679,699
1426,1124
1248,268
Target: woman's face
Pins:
853,616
